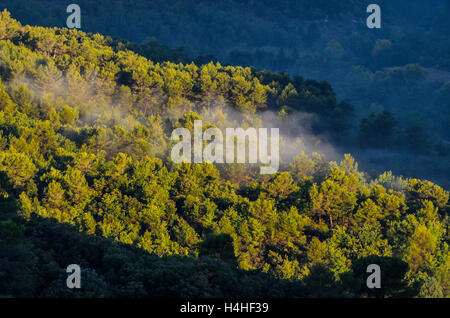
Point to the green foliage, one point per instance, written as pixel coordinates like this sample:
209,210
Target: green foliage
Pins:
393,279
85,142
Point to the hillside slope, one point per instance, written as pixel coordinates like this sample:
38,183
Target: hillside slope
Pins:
85,127
402,108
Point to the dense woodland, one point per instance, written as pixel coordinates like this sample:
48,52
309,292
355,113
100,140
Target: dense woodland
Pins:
86,178
397,77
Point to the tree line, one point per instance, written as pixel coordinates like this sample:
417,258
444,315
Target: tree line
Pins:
85,177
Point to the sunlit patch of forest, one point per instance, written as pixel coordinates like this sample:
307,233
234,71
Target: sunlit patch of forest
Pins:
396,77
86,178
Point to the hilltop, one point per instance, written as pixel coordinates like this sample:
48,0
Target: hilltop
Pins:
85,178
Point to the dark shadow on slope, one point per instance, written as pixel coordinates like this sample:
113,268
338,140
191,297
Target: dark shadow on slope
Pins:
34,256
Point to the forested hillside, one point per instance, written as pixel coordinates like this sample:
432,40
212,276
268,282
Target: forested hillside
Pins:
397,77
86,178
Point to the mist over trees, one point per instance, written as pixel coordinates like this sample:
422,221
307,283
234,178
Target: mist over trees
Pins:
86,178
402,68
